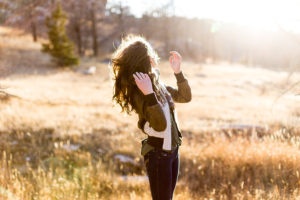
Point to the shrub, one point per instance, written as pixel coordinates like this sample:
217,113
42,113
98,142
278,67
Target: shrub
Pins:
59,46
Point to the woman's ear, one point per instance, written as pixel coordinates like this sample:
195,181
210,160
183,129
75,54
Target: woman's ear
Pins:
152,62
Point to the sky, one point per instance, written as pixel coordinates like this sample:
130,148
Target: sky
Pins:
260,14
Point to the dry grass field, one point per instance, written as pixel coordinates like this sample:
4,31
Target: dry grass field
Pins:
62,138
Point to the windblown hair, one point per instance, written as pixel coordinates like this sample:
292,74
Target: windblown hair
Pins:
133,55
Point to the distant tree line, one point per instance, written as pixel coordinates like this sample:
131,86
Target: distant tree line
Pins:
96,27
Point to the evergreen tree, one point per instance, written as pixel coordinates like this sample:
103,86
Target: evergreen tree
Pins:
59,46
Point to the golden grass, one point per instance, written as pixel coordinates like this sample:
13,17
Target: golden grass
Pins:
53,109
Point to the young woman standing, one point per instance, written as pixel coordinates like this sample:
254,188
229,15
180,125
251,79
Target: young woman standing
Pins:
137,87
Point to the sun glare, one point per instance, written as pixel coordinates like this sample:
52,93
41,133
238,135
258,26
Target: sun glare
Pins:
258,14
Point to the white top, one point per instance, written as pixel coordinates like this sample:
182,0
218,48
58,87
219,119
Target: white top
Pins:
165,134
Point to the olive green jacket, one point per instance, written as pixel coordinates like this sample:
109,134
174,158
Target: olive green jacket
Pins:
148,108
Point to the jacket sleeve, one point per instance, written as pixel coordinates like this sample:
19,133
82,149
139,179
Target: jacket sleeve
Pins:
148,108
181,94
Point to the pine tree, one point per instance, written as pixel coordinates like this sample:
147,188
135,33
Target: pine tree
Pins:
59,46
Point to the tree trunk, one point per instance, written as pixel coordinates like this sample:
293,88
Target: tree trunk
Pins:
78,39
34,31
94,33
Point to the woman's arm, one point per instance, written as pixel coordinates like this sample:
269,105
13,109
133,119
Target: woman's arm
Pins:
182,93
146,104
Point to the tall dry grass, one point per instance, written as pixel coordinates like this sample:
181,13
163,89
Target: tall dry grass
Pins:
41,165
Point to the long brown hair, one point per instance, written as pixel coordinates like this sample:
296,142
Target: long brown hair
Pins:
133,55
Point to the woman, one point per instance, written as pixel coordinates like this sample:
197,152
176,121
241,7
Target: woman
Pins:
137,87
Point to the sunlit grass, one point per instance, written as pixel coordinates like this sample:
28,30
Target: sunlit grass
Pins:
40,165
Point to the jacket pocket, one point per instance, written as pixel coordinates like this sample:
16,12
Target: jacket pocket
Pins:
163,155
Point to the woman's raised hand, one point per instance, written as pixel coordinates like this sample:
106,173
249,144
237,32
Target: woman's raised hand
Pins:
143,82
175,61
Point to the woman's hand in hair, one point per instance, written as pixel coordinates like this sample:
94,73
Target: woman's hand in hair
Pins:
175,61
143,82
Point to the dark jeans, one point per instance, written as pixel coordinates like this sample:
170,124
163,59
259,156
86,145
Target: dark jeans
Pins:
162,170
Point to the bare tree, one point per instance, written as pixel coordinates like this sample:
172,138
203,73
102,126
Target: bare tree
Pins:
77,20
96,9
166,25
120,14
30,15
5,9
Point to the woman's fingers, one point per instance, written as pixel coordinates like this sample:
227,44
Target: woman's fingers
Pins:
143,75
135,77
139,75
175,54
171,59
